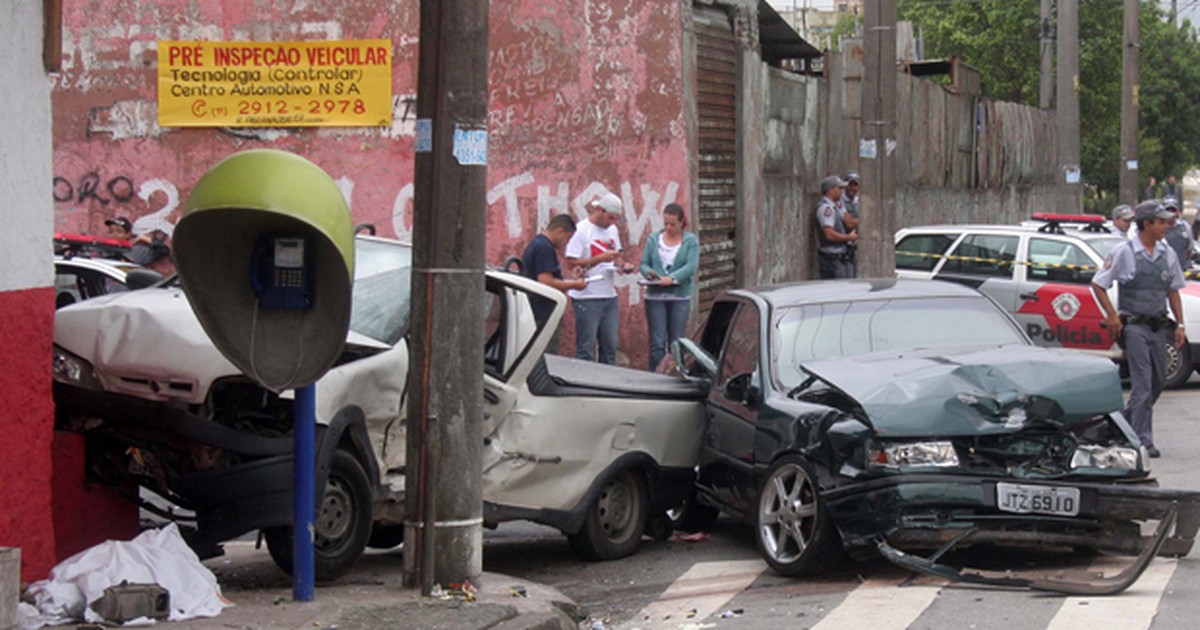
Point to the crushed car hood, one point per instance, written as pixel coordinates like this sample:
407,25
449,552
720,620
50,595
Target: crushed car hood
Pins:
148,343
973,391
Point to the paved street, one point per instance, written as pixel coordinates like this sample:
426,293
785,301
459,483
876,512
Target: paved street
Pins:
680,584
693,584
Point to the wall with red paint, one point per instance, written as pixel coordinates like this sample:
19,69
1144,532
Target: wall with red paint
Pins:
27,421
26,294
585,98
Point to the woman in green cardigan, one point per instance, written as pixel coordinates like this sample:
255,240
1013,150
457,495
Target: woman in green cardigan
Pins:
669,262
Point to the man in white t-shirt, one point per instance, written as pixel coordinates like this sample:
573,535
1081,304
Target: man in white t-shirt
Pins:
596,248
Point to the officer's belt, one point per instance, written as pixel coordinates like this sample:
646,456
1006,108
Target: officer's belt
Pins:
1154,322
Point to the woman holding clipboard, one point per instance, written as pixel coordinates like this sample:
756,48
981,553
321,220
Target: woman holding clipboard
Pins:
669,262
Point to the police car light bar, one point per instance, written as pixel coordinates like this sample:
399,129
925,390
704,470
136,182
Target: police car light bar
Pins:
1068,218
69,245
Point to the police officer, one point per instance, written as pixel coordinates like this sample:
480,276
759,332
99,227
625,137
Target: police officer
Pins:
850,195
1147,271
1122,218
1179,237
836,231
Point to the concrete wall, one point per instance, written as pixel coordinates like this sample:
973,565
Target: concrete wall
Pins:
962,159
26,292
586,97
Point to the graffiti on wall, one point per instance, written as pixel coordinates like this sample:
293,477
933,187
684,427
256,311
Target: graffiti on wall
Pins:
153,204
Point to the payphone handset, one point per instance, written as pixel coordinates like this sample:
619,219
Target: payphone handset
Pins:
280,273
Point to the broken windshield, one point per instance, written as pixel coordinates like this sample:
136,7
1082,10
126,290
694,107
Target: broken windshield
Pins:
840,329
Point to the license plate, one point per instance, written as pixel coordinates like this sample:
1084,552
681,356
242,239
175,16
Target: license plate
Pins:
1012,497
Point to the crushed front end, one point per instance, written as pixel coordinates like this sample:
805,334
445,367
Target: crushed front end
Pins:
1013,446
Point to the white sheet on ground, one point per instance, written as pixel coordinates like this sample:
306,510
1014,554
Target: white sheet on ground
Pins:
157,556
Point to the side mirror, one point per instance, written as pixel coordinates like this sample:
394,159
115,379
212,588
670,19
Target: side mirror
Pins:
691,360
142,278
741,389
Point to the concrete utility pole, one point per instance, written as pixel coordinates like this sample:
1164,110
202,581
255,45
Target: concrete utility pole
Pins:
877,148
1128,192
1070,174
1046,51
446,352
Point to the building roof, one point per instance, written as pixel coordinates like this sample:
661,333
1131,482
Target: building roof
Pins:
778,39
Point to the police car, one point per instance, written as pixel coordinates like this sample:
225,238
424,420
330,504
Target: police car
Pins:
1040,272
86,267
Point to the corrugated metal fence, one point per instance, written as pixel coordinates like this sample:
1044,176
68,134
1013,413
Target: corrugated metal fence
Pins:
963,158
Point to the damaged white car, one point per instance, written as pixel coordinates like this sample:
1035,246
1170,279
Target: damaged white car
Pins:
163,409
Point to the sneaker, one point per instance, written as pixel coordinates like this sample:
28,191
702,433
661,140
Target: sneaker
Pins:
1153,452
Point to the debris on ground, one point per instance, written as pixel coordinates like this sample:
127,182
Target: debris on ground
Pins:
157,561
463,592
693,537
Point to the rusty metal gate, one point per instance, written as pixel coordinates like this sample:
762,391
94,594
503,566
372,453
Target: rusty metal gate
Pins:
716,106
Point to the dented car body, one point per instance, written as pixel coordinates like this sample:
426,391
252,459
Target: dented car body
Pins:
901,414
592,450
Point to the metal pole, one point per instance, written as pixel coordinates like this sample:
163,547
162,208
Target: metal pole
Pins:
429,524
1129,107
1046,51
877,150
303,492
1070,173
449,234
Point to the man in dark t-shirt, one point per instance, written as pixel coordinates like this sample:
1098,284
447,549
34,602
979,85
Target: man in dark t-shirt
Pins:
541,264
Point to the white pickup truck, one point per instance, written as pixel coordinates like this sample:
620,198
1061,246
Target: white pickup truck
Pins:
595,451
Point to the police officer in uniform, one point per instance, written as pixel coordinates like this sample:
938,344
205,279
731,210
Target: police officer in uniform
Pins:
1147,271
850,197
1179,237
1122,218
836,231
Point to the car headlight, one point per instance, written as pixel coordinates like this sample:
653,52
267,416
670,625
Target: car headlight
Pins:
72,370
1097,456
939,454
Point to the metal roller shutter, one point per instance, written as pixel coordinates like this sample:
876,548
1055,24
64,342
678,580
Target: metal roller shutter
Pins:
716,105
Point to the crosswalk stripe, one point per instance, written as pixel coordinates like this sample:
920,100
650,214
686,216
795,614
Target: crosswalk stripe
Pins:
698,593
1134,608
880,605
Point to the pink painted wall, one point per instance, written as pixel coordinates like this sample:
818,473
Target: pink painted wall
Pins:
585,97
27,417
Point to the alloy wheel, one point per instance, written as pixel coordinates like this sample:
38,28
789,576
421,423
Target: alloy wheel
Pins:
787,513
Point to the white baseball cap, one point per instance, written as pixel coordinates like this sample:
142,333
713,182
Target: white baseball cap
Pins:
610,203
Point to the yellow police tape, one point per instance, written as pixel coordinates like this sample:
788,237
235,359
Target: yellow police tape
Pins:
1191,275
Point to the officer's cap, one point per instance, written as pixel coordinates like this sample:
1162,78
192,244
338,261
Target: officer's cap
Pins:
1122,211
830,182
1151,209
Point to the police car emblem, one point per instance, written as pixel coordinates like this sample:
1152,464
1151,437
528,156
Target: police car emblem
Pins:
1066,305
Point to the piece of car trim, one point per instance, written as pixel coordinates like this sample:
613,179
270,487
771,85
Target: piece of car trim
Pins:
1055,584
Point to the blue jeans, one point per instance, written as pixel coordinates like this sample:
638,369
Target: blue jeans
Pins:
667,320
596,320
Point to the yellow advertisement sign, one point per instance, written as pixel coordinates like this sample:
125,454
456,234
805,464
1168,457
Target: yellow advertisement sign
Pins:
275,84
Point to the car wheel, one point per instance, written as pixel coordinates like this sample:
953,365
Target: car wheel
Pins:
795,533
342,524
1179,366
616,520
693,516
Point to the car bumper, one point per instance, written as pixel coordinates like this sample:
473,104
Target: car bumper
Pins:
928,511
250,490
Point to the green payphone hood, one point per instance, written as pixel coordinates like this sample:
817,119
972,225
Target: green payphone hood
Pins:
277,181
244,199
